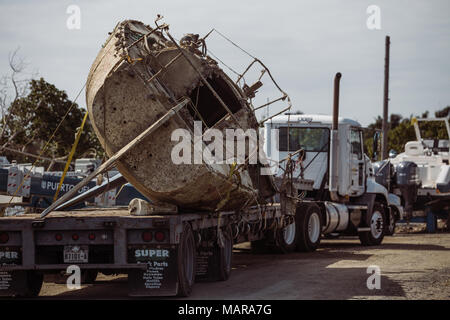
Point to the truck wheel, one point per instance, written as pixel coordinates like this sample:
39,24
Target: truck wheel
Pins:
287,238
186,262
309,227
376,221
34,284
226,255
390,230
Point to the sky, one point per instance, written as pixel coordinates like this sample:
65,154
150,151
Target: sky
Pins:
304,43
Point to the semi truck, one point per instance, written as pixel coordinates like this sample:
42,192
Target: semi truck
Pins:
338,188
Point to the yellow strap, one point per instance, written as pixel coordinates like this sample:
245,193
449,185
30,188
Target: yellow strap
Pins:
69,160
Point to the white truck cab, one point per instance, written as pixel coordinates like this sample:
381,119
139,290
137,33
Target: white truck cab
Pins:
311,133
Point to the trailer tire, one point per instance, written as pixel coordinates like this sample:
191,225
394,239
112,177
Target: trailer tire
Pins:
34,284
226,255
309,227
186,260
88,276
376,221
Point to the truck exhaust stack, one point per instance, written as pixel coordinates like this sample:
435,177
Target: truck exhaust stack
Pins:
334,154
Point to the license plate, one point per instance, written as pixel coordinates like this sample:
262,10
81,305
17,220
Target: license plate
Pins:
76,254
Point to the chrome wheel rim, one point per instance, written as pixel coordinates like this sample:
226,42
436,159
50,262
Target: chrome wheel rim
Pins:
376,224
314,227
289,233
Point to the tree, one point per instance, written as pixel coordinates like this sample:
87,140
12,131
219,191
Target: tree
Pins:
32,115
402,130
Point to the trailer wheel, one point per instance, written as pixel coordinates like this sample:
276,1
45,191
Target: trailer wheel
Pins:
377,231
186,262
88,276
309,227
34,283
226,255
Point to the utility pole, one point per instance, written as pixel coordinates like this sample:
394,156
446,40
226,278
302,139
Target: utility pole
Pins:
384,145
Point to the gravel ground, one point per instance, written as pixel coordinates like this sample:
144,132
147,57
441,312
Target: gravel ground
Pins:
412,265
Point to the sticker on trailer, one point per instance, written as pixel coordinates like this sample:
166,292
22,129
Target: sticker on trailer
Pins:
10,256
13,283
5,280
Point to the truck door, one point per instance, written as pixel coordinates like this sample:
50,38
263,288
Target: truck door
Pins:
357,170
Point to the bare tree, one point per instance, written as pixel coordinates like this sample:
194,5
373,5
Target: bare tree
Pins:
12,87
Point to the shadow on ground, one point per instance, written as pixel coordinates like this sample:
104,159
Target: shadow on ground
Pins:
277,276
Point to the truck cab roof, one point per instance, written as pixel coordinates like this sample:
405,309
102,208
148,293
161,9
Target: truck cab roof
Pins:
311,119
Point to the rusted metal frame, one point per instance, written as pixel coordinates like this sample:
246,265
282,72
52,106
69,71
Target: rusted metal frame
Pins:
144,36
246,70
285,95
164,68
270,75
218,59
117,156
196,110
261,122
203,79
270,102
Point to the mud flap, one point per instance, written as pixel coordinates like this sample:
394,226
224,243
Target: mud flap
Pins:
369,200
13,283
160,276
208,263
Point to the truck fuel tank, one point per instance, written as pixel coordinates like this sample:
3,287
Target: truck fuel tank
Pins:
337,217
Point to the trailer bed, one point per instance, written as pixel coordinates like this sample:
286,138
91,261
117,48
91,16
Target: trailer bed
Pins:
113,241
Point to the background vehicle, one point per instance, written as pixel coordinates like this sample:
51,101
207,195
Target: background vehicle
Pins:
421,174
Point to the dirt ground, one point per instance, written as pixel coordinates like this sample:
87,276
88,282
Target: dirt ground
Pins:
413,266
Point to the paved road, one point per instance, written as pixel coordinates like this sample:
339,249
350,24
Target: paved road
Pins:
413,266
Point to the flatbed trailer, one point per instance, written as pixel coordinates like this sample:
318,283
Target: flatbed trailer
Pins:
163,255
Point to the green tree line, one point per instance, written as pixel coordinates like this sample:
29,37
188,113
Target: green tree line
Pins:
401,130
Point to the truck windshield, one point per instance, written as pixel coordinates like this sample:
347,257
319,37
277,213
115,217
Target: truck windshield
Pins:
309,139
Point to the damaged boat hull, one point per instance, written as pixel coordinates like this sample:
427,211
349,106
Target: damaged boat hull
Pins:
136,78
